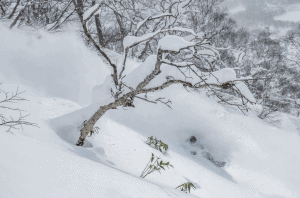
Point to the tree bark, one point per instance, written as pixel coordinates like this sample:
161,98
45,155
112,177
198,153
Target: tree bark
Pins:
98,27
14,10
89,125
144,50
122,30
99,31
17,18
80,9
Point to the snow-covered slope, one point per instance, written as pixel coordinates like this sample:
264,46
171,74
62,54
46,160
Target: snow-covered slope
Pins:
261,160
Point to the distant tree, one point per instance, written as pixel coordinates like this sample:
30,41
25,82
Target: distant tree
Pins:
37,14
273,62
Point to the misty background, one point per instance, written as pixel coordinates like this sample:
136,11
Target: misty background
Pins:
278,15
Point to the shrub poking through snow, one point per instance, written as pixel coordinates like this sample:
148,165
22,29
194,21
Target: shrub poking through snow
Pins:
95,130
155,164
12,117
186,187
157,144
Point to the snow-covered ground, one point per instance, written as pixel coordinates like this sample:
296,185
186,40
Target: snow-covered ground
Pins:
61,76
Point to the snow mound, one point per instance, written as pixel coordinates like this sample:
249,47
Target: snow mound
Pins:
54,65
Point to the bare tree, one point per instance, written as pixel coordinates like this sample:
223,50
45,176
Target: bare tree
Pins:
7,120
179,57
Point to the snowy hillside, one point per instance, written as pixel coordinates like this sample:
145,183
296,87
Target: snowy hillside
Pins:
64,82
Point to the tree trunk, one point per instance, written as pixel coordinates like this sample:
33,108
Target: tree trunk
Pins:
98,27
14,10
17,18
89,125
99,31
144,50
80,9
122,30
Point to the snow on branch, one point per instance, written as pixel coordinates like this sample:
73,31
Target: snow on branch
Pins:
95,9
131,41
177,64
174,43
226,78
180,29
206,52
221,76
183,4
242,89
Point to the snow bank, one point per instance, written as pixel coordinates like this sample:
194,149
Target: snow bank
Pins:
191,115
47,172
262,160
54,65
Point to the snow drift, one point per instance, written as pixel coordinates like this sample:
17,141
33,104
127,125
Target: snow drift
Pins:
59,72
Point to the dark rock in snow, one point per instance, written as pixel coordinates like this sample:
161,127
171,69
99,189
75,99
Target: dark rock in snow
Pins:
217,163
193,152
193,139
220,164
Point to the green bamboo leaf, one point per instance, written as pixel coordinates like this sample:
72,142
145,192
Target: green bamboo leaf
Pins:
193,185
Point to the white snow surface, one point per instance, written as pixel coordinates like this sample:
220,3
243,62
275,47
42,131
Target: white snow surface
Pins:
55,66
262,159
